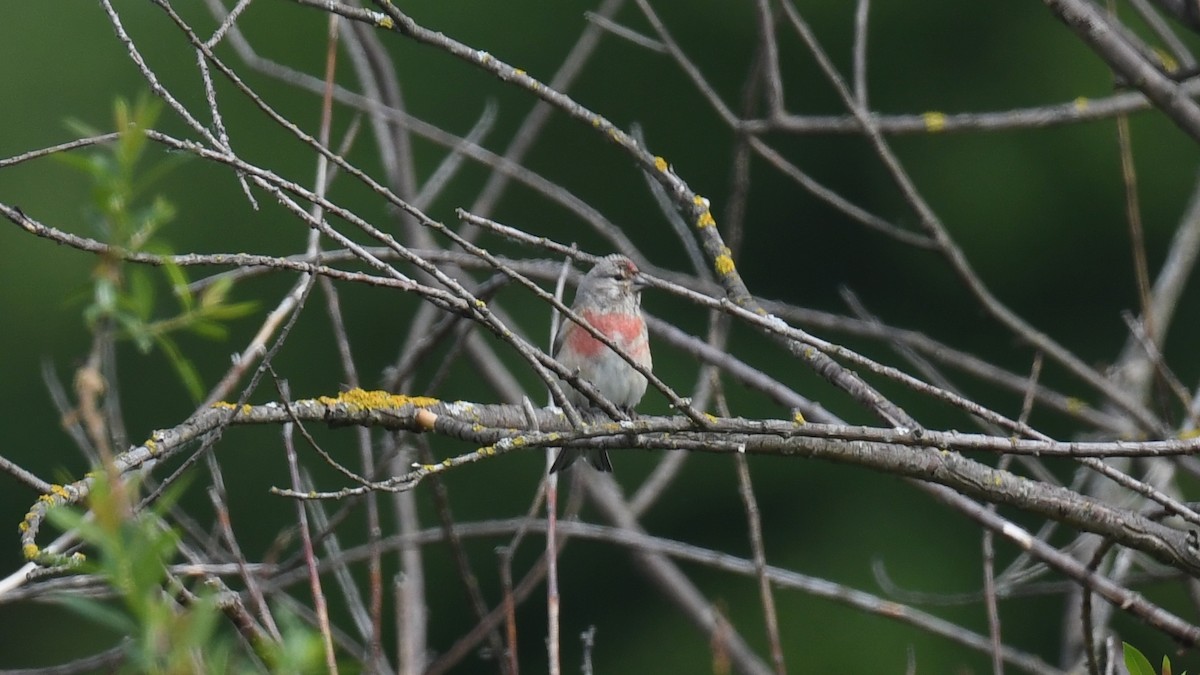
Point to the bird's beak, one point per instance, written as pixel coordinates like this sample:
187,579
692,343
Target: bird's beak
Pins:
639,282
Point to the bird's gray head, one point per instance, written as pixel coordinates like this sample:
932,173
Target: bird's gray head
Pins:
615,279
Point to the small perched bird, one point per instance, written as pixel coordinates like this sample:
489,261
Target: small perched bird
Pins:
609,298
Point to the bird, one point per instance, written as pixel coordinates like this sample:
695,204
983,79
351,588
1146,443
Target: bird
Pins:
610,299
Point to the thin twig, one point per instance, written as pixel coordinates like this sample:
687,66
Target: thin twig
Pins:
310,557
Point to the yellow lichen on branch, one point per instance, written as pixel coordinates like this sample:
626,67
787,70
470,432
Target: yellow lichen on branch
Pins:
724,264
246,408
705,219
375,400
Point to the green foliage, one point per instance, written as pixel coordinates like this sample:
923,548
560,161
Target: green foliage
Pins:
301,650
124,296
1137,663
130,553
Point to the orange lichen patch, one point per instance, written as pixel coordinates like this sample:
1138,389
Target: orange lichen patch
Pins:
935,121
374,400
660,164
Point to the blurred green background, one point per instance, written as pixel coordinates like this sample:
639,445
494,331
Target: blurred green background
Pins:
1040,214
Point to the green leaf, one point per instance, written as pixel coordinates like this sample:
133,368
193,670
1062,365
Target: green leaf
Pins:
152,175
140,297
86,164
80,127
149,220
137,330
132,140
1136,662
217,292
198,626
65,518
301,650
233,311
106,295
183,367
179,285
129,554
208,329
101,613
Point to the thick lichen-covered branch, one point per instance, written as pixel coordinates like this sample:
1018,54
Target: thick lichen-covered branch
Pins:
931,456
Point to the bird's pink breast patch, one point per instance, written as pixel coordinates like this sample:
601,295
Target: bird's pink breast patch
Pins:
623,329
